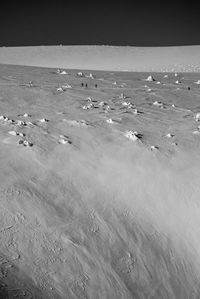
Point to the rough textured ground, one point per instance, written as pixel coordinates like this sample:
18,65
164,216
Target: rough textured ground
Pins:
86,212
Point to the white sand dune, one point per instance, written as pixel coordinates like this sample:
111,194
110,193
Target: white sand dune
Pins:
142,59
86,212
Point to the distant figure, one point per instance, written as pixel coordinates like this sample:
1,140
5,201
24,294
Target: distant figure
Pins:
188,88
95,85
86,86
82,84
30,83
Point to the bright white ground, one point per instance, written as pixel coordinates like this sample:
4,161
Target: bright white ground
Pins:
102,216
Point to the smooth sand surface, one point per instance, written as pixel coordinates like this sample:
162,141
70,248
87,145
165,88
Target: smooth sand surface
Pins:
101,202
140,59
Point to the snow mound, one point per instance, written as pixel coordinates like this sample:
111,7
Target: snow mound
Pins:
150,79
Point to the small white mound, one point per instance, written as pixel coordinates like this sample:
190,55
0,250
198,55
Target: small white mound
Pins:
26,115
150,79
29,123
102,104
115,83
63,73
154,147
77,123
13,133
149,89
173,106
122,96
131,135
109,121
26,143
178,82
158,104
197,82
86,107
89,99
44,120
11,121
60,89
20,134
197,116
4,118
63,141
158,82
196,132
166,76
169,135
107,108
91,76
80,74
175,75
126,104
20,123
66,86
135,111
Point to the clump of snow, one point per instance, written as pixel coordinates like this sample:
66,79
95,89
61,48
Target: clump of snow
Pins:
150,79
26,115
14,133
197,82
77,123
44,120
91,76
63,141
136,111
86,107
66,86
20,123
133,135
169,135
158,104
4,118
126,104
80,74
196,132
25,143
197,116
122,96
154,147
102,104
109,121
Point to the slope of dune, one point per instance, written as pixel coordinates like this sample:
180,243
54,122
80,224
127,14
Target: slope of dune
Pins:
99,185
140,59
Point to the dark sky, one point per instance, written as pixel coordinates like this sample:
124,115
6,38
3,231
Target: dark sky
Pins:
122,23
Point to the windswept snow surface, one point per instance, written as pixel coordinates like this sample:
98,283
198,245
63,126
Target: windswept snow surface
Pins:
86,212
